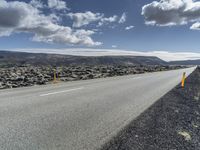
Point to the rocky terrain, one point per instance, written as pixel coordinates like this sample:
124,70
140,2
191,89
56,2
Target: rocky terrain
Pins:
19,69
12,77
172,123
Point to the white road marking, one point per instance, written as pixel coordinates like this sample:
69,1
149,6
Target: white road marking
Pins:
58,92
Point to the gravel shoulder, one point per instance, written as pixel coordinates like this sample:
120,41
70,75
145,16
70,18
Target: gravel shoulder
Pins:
172,123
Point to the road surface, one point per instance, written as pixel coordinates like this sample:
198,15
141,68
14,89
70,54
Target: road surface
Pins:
80,115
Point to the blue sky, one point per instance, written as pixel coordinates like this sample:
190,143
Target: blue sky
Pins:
150,32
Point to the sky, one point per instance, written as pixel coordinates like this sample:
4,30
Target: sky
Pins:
168,26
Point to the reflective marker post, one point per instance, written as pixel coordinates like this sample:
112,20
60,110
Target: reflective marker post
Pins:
183,80
54,77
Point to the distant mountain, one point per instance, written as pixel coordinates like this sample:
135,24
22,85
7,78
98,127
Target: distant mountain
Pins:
186,62
8,58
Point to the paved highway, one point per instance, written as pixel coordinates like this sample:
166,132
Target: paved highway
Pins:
78,115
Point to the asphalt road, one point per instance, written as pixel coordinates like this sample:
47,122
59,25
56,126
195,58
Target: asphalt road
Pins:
78,115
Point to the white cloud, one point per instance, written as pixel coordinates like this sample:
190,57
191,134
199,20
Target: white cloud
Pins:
171,12
195,26
123,18
114,46
82,19
129,27
57,4
165,55
109,19
37,3
17,17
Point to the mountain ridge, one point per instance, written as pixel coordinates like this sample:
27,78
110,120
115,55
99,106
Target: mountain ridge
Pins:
11,58
186,62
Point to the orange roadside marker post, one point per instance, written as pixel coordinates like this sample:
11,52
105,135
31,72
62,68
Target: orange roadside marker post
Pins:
183,80
54,77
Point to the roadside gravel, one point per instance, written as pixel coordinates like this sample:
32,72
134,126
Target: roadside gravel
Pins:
172,123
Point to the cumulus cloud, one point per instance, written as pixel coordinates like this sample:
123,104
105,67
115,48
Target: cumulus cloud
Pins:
108,20
82,19
195,26
37,3
123,18
171,12
57,4
129,27
17,17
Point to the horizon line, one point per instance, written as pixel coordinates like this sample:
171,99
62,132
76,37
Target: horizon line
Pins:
162,54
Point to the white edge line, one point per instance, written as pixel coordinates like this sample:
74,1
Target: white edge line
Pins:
58,92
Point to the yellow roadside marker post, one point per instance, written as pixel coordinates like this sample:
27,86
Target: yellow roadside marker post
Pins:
54,77
183,80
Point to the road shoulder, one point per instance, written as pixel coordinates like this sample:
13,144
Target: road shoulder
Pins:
173,122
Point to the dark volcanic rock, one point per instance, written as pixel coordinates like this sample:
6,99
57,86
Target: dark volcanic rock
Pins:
172,123
13,77
25,69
